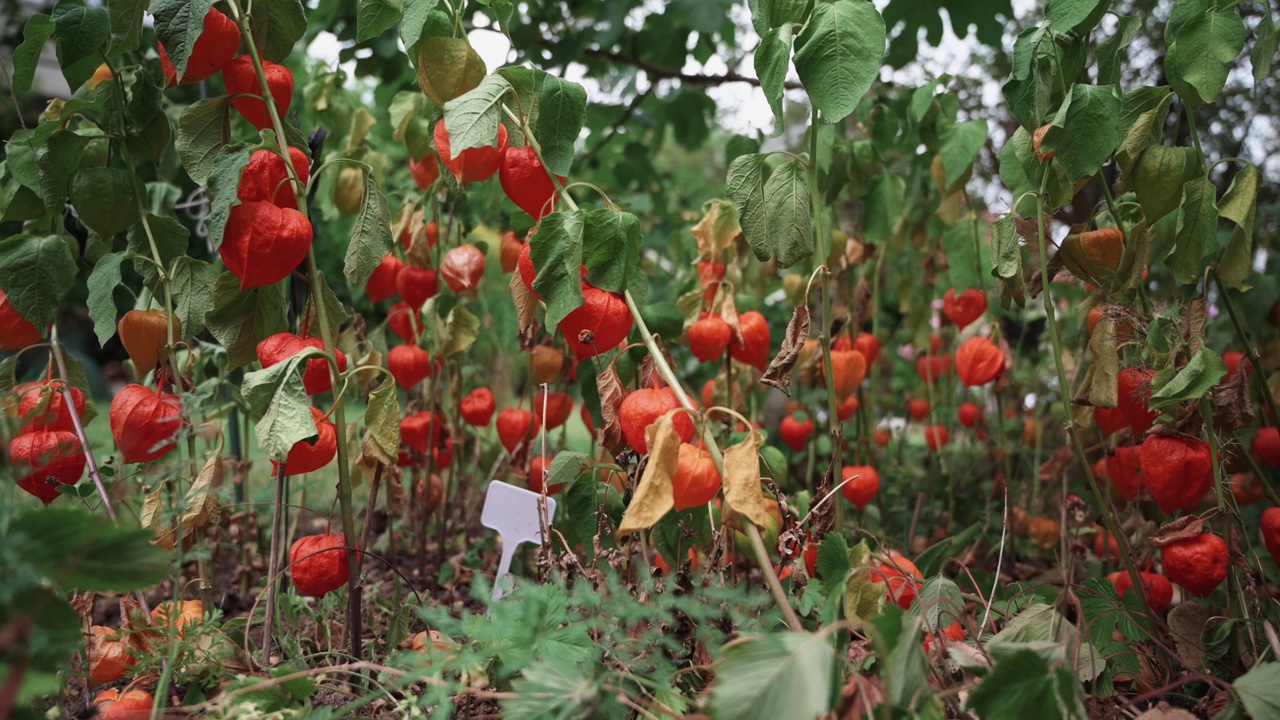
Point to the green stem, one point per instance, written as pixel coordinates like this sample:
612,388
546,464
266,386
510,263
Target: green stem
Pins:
1252,354
1111,202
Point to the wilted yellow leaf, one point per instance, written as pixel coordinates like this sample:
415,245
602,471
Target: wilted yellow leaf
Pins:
654,495
742,479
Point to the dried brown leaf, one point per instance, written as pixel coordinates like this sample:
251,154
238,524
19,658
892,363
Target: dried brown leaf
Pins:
778,374
717,229
1166,713
611,396
861,303
1103,390
525,302
729,313
654,495
1193,319
1188,624
1232,404
1180,529
742,479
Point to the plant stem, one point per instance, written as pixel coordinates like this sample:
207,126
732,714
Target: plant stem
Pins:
55,349
1249,351
273,565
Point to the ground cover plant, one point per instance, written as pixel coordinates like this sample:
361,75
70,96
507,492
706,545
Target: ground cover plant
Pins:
952,396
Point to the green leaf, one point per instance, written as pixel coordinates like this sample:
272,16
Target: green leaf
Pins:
105,199
1110,50
26,57
374,17
556,250
35,272
277,396
422,19
1085,131
938,603
960,143
204,129
779,675
1142,115
179,23
240,319
883,207
1201,373
170,238
1067,14
906,672
382,419
1045,630
277,26
1259,691
102,304
1023,680
1201,52
126,24
838,55
472,118
1197,230
88,552
745,188
863,598
962,261
335,312
611,242
80,34
57,161
223,185
565,467
562,110
371,234
1263,53
190,280
1240,206
460,331
833,562
1006,262
788,214
772,60
1159,177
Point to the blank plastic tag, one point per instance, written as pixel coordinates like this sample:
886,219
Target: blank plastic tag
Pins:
513,513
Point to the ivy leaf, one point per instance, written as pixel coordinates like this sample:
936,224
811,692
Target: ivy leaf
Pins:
204,129
277,26
1197,230
374,17
1240,206
562,110
960,143
35,272
382,418
787,209
190,280
240,319
472,118
179,23
26,57
102,304
1201,52
1201,373
1159,177
838,55
772,59
611,243
1085,131
778,675
80,34
277,396
371,234
556,251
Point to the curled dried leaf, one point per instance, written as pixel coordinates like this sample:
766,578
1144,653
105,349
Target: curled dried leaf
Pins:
729,313
525,302
778,374
1232,404
611,397
654,495
742,479
1180,529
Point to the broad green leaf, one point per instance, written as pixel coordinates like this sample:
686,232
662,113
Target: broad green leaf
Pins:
204,129
374,17
938,603
963,263
1263,53
745,188
1142,115
335,311
1259,691
789,216
422,19
960,144
1042,627
126,24
382,419
778,675
565,467
1023,680
1240,206
190,281
1201,373
1086,130
179,23
277,26
883,207
772,59
223,184
863,597
833,562
1201,52
1197,230
562,110
240,319
35,272
906,670
1159,177
404,109
57,162
1006,262
1066,14
170,238
611,242
105,199
838,55
1030,90
102,304
371,234
459,331
26,57
556,250
472,119
279,400
87,552
80,34
1111,50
